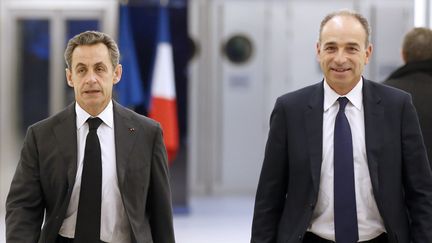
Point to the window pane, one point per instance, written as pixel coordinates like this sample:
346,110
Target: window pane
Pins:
33,70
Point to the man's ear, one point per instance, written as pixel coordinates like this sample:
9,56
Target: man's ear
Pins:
318,50
369,50
404,59
69,77
118,73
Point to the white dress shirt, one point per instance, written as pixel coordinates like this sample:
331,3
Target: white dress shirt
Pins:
114,223
370,223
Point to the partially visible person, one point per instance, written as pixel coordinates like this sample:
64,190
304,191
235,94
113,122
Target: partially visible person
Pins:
96,171
415,77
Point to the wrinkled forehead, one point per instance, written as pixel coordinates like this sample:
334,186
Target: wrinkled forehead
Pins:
343,29
90,55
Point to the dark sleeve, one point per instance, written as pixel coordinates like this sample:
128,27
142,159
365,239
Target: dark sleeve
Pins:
161,219
24,203
417,176
270,196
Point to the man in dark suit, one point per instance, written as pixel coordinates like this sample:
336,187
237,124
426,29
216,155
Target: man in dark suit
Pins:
345,134
52,175
415,77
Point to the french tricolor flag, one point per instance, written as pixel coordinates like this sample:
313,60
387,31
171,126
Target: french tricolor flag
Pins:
163,107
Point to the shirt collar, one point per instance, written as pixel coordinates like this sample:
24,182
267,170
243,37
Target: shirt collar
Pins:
355,96
107,115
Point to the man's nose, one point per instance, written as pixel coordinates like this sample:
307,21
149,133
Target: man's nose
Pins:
91,77
340,57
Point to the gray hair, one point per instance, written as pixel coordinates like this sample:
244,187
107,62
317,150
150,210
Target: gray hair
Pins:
350,13
92,38
417,45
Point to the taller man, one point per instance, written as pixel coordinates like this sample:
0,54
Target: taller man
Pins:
345,160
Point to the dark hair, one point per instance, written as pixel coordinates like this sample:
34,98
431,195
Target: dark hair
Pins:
92,38
362,20
417,45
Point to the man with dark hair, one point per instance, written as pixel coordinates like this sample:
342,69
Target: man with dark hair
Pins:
96,171
415,77
345,160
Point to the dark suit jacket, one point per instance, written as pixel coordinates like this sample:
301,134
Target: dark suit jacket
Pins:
45,175
416,79
398,167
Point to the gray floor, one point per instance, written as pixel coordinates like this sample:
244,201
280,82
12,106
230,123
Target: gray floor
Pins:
215,220
210,220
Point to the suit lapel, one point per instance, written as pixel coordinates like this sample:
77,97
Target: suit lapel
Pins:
374,121
66,135
314,121
125,137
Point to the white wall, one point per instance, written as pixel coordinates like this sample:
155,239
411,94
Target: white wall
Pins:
229,123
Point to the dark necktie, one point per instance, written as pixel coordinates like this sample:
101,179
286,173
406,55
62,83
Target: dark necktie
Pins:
87,229
345,213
